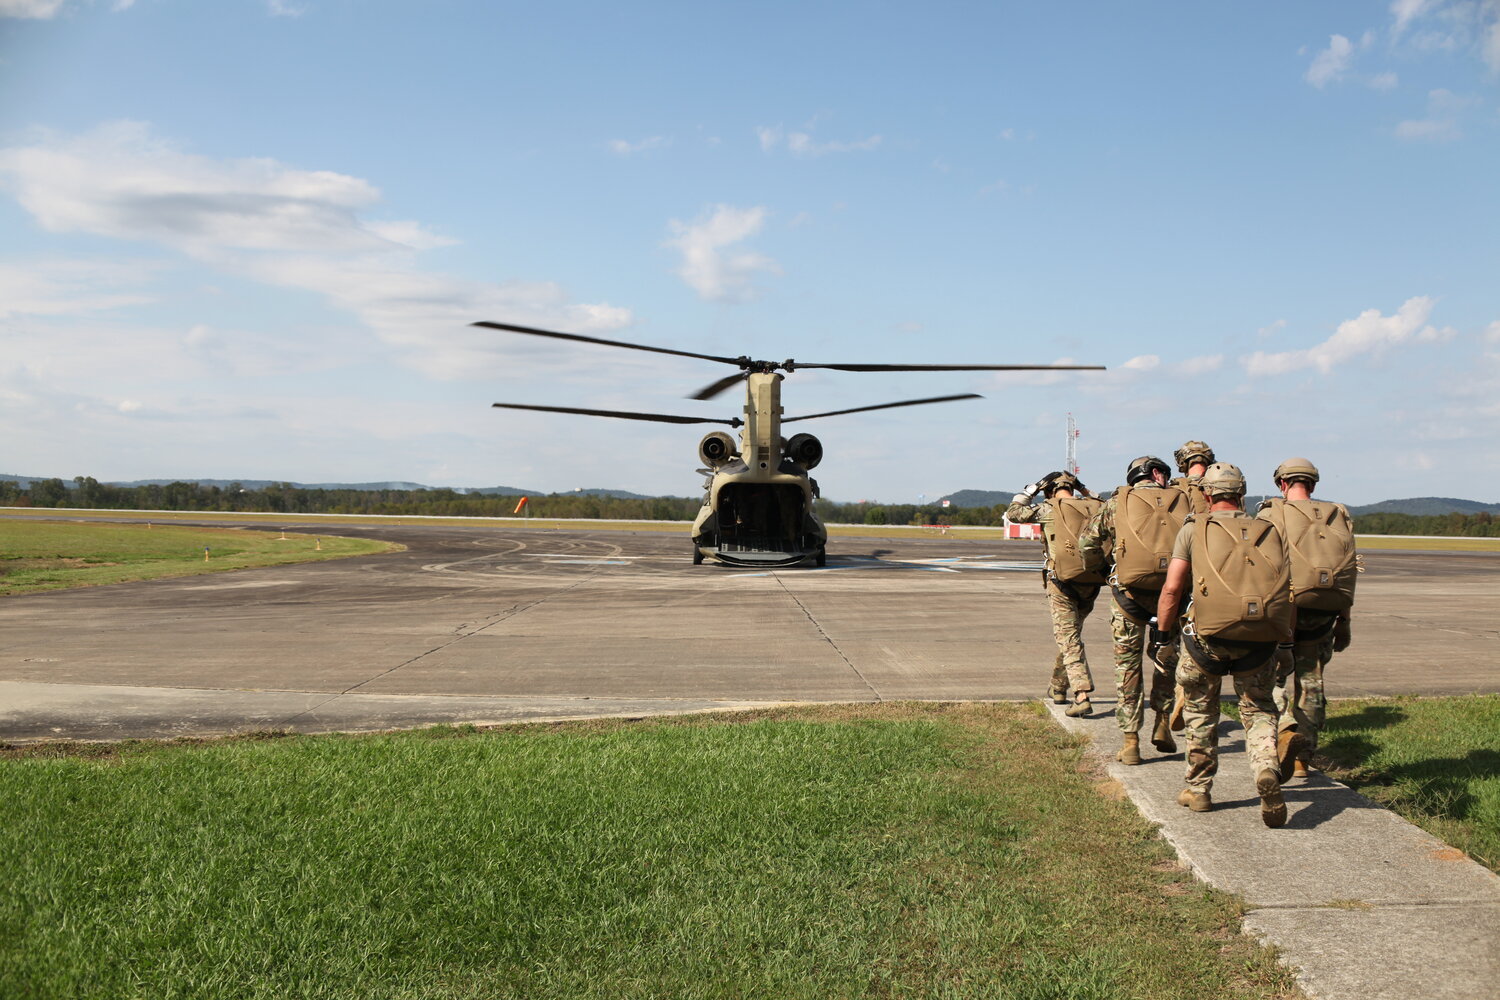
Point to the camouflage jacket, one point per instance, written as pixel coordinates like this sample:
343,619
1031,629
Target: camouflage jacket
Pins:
1020,512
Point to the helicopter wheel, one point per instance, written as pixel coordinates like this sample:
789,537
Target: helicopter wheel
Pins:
821,559
697,556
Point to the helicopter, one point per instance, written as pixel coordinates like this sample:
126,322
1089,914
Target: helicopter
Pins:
758,495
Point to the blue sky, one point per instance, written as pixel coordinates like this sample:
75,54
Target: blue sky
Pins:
245,238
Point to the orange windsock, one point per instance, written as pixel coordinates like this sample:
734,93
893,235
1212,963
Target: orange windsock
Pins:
520,505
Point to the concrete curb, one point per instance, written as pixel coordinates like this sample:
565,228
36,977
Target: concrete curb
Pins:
1360,903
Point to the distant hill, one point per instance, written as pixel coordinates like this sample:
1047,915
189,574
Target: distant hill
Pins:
1426,506
978,498
260,484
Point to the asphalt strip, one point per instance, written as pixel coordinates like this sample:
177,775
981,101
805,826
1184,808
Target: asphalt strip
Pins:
1362,904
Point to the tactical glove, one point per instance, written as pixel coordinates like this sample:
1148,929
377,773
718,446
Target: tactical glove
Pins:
1028,491
1341,635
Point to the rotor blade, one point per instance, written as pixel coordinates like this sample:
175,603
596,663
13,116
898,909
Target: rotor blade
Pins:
623,414
886,406
600,340
954,368
714,388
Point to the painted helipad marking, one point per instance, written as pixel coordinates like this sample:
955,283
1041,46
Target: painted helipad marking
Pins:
571,555
587,562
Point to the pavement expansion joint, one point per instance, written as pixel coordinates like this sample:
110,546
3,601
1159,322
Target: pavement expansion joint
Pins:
827,638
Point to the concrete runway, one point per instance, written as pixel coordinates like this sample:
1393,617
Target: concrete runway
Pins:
495,624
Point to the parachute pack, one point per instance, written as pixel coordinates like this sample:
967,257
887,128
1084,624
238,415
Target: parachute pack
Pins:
1197,499
1241,580
1146,524
1320,538
1070,515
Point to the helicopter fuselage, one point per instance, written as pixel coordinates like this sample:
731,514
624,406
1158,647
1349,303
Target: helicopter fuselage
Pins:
757,510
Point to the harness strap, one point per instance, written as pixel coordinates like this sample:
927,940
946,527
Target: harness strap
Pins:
1260,654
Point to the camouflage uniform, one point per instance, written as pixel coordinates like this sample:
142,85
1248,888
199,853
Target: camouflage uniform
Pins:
1068,603
1299,677
1128,628
1200,688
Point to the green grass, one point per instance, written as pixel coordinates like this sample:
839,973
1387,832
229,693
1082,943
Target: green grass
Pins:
1435,761
53,555
895,851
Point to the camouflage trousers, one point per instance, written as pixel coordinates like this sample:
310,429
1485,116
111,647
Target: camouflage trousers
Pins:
1070,671
1201,714
1130,652
1299,687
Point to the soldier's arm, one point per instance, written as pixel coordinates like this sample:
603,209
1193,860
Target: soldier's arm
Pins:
1171,594
1020,512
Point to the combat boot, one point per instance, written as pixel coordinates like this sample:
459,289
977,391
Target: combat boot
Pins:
1290,746
1161,734
1058,695
1080,708
1299,769
1130,753
1198,802
1272,805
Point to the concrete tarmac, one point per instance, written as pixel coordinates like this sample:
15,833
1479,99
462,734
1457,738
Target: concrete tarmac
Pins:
508,624
1364,905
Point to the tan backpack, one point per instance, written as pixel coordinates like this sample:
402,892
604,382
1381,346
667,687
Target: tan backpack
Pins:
1320,538
1197,499
1146,525
1242,580
1070,515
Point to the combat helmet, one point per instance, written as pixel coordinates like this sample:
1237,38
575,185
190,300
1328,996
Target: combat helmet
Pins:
1296,468
1191,452
1065,481
1223,479
1142,468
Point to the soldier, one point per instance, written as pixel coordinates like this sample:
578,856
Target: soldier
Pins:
1192,459
1135,529
1239,610
1070,593
1323,574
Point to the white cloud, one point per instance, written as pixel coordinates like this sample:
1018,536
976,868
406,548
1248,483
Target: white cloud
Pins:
1441,124
71,287
1271,329
1405,12
290,228
282,8
1201,365
999,186
1142,363
1368,333
803,143
1383,82
706,267
39,10
1492,332
1332,63
624,147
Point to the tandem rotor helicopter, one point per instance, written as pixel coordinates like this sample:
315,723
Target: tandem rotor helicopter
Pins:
757,509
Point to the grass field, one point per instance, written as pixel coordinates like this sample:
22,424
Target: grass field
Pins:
899,850
1436,761
53,555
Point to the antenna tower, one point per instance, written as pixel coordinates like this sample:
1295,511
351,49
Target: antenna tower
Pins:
1070,464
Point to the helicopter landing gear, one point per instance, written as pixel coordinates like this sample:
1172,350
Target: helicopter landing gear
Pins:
821,559
697,556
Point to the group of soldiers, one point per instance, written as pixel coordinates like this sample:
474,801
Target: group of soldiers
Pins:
1262,599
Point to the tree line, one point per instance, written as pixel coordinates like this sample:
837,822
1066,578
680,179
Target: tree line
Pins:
88,493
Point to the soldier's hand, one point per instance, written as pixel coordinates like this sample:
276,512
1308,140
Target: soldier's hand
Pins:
1028,491
1341,635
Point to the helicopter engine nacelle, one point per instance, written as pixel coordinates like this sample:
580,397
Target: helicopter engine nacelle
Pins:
716,448
805,450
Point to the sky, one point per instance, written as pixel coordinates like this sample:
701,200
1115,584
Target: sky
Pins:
246,238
